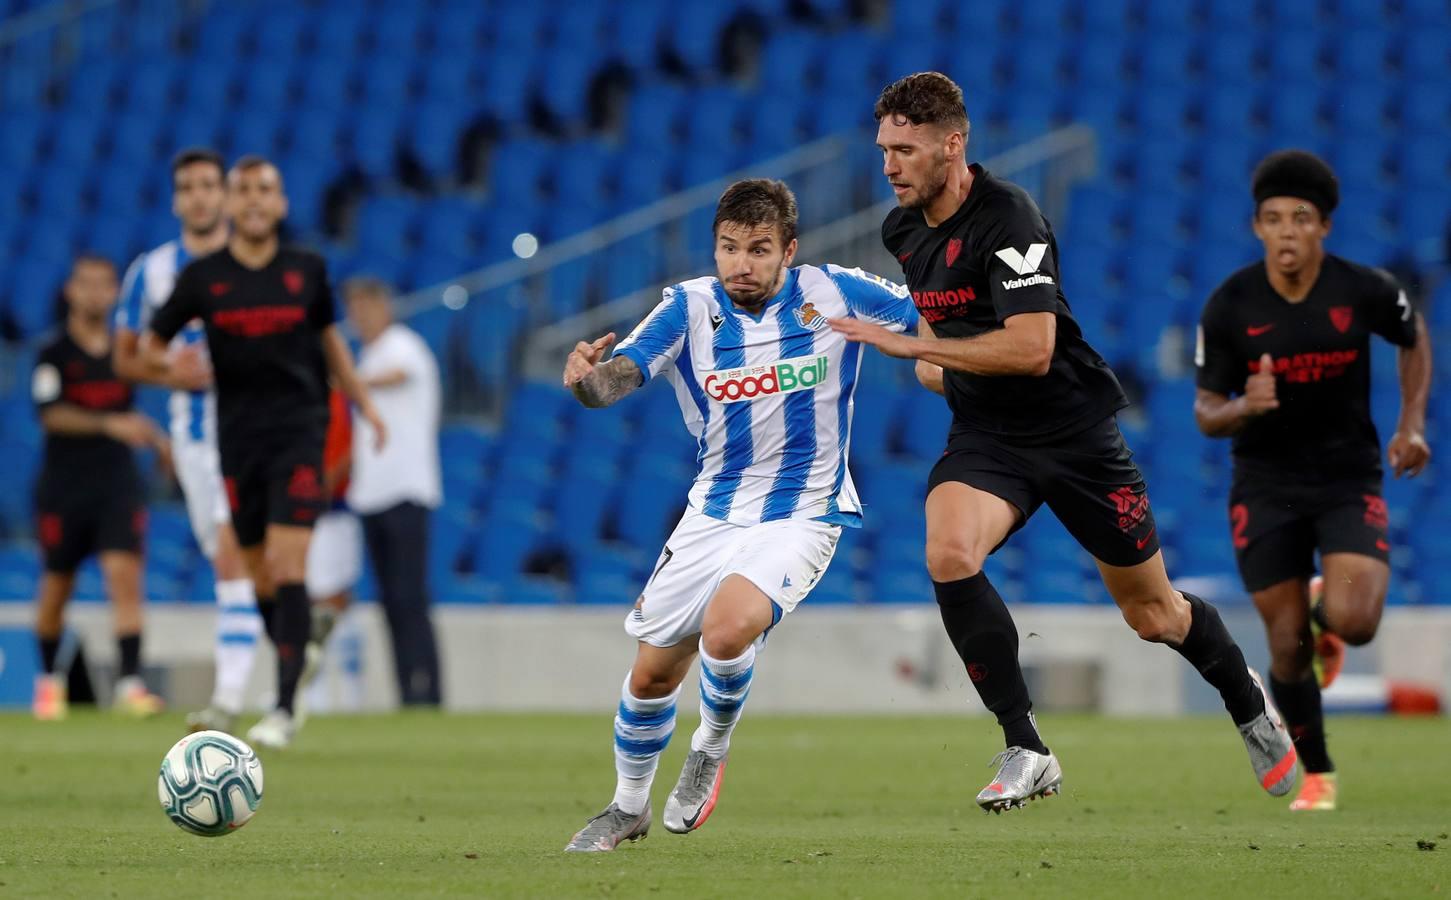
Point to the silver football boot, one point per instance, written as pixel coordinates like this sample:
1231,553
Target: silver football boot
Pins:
1022,776
695,794
609,829
1271,751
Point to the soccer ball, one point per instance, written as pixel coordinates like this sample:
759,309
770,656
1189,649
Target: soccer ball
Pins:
210,783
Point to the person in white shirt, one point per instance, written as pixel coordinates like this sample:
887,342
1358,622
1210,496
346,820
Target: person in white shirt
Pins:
395,488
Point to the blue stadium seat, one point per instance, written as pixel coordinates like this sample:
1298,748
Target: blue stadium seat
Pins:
395,31
447,77
456,30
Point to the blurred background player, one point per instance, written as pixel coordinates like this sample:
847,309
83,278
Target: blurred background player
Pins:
1034,421
198,200
270,326
1284,367
335,554
90,497
766,388
396,489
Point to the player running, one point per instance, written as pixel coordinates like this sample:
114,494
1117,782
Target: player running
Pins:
198,198
89,497
1033,422
269,316
766,388
1289,339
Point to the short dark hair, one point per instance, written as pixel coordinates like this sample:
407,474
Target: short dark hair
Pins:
1297,173
253,161
93,258
758,201
193,155
924,98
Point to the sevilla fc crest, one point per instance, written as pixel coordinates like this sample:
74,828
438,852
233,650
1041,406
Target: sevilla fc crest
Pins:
954,247
292,280
1340,317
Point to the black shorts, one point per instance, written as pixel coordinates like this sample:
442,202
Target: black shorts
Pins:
1276,527
1088,479
72,523
273,483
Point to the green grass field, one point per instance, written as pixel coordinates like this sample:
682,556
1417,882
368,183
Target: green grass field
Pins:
432,805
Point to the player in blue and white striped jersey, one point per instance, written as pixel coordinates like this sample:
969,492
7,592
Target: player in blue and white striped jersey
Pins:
197,201
765,386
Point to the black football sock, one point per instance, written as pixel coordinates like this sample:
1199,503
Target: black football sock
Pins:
130,645
1211,650
267,609
49,650
294,625
1299,704
982,631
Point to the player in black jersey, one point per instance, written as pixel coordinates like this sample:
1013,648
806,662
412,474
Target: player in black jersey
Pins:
1284,367
1033,422
270,319
89,497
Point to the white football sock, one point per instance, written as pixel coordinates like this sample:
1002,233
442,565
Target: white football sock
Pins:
238,627
642,731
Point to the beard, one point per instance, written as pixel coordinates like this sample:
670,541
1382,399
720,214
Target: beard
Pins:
209,227
936,183
755,296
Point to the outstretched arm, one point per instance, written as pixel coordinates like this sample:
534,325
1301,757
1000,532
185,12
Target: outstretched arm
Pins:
596,384
1023,346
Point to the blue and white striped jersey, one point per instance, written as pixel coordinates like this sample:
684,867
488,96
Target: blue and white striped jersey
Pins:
146,289
769,399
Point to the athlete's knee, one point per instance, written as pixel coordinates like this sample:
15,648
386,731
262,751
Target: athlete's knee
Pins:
1358,628
728,638
1154,620
1290,649
952,558
648,685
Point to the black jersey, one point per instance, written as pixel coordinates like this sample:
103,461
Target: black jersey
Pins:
1322,430
264,329
994,258
65,373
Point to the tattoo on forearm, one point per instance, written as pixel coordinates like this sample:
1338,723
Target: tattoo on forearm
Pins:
608,382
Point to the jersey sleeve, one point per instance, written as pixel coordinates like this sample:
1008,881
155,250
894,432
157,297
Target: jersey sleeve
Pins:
1390,312
132,313
1217,364
181,307
1021,271
46,386
324,309
656,341
873,298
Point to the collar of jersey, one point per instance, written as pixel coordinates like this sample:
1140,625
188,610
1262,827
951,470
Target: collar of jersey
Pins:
727,303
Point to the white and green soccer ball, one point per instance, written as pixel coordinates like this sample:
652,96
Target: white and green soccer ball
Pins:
210,783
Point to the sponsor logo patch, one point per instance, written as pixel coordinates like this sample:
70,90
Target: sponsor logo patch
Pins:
784,376
1026,265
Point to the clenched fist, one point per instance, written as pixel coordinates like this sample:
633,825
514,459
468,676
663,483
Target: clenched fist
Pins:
1259,390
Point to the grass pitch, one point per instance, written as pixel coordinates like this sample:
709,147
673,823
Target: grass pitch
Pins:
420,805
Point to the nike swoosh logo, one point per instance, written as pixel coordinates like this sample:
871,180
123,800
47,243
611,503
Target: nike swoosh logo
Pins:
1145,542
1257,330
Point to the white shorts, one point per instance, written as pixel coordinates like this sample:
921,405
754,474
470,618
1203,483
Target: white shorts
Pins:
199,471
785,559
335,554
